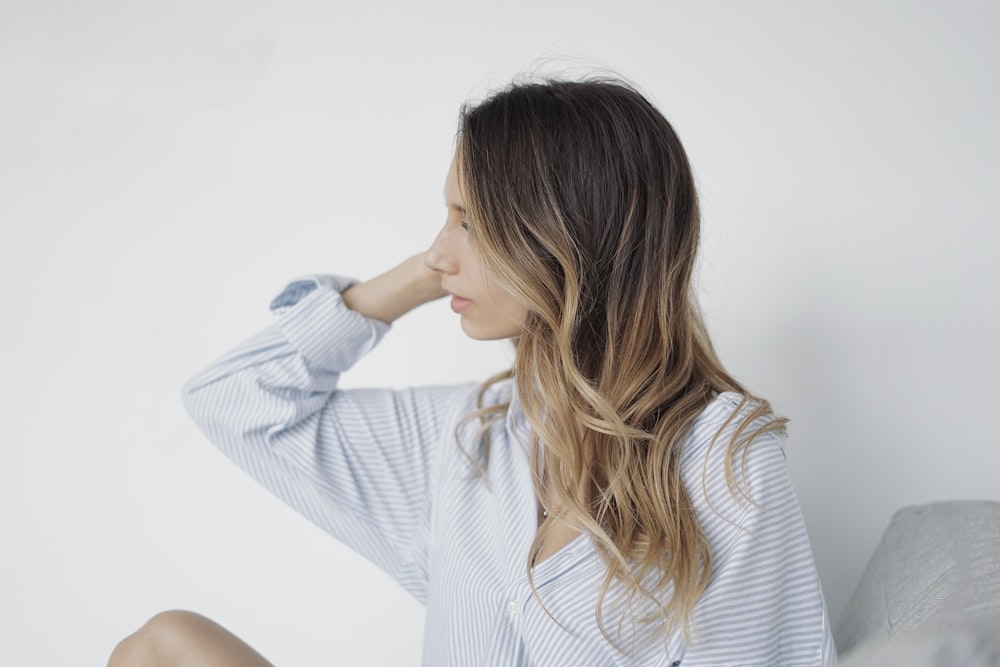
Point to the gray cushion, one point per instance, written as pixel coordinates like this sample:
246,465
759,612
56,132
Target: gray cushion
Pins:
973,643
937,564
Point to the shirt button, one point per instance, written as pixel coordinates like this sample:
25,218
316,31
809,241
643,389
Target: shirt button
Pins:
512,607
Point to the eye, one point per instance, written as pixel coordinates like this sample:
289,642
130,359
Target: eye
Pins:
465,225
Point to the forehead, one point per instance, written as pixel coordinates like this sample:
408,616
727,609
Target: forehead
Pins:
452,186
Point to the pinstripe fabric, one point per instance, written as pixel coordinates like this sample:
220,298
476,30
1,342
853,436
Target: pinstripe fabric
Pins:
381,470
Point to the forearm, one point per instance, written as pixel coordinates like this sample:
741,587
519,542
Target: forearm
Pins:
299,357
396,292
356,462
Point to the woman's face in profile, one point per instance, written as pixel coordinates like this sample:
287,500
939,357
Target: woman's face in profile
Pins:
488,311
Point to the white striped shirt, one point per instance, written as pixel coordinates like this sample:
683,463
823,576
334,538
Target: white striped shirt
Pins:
381,470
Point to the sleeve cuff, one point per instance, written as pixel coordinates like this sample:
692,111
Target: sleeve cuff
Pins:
317,322
296,290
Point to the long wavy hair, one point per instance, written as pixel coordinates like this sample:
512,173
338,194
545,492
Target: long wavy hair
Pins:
582,204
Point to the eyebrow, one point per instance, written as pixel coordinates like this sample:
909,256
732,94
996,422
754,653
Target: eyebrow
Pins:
460,209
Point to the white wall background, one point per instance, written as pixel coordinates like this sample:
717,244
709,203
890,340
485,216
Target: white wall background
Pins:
166,168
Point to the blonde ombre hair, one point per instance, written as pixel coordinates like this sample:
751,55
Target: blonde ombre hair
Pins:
582,204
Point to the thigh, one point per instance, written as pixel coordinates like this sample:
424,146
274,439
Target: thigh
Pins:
185,638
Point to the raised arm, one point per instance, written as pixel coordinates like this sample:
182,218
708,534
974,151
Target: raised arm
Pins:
358,463
396,292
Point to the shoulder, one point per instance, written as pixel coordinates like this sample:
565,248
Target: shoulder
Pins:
731,469
729,420
725,416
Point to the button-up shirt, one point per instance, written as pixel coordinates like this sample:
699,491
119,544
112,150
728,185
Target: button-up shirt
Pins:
384,471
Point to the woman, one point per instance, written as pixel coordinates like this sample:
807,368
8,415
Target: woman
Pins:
616,498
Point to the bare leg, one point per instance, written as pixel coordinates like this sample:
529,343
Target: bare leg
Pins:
184,638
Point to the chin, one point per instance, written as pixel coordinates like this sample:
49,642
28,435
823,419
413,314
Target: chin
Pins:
485,332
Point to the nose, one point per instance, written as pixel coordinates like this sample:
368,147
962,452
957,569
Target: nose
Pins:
440,256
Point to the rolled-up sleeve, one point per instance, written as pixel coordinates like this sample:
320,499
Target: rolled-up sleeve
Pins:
359,463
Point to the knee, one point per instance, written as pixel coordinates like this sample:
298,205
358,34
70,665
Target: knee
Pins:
161,641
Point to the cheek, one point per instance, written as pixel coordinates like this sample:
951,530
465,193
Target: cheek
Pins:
512,309
472,262
521,314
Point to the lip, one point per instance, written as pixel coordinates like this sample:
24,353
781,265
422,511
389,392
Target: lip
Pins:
458,304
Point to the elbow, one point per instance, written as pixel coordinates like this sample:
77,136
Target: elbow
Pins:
189,398
230,417
198,403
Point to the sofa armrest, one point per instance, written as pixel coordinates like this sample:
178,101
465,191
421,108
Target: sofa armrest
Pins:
937,564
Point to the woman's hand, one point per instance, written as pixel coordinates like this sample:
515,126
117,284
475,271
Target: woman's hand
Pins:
396,292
